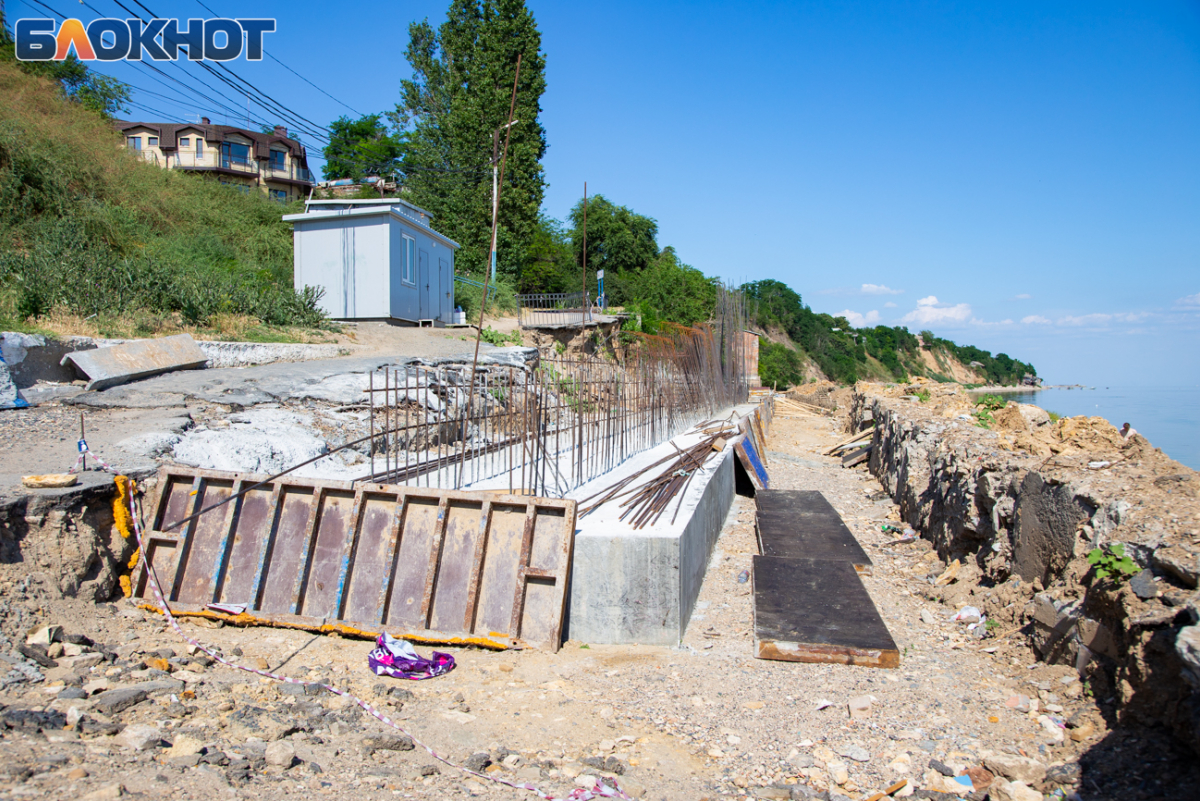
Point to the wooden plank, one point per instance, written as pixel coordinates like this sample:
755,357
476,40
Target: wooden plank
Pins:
433,565
811,610
802,524
856,457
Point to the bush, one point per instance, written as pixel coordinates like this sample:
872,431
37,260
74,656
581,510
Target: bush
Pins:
778,365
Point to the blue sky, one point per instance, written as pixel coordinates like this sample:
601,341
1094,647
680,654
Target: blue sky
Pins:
1024,177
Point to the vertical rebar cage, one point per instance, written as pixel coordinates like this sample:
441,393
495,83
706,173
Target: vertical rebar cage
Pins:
547,428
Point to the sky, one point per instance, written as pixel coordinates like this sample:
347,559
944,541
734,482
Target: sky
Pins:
1019,176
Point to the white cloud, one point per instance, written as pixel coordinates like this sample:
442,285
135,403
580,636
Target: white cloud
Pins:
1085,319
1036,319
889,305
929,312
1190,302
860,320
1022,296
880,289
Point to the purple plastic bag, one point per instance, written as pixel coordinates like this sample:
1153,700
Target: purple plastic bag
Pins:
398,659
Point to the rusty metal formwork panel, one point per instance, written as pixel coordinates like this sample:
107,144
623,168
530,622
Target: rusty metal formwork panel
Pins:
430,565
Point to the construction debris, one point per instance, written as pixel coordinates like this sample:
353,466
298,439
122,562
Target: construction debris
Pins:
129,361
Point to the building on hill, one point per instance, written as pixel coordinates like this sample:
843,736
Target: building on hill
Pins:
247,160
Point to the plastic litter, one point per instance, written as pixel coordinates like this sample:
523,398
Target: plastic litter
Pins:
743,577
398,659
968,614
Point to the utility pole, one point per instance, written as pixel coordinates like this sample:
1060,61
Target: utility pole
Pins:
495,194
586,306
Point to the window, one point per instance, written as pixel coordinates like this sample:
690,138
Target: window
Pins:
277,161
134,142
279,194
154,141
234,153
185,142
199,147
408,254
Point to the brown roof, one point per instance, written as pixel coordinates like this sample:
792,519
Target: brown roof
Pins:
168,134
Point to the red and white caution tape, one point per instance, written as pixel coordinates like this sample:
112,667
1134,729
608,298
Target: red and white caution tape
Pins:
601,790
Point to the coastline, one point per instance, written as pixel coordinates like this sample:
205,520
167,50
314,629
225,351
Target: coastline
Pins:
1000,390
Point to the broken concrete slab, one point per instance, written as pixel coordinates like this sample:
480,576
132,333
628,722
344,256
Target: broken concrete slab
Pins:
120,364
261,441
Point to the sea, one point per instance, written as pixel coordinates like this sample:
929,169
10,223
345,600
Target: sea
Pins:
1167,416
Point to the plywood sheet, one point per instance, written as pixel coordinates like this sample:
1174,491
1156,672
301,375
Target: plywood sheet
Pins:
430,565
802,524
810,610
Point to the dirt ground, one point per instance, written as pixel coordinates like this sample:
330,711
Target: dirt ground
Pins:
703,720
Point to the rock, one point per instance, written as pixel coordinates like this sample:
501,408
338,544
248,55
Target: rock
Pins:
1064,774
773,792
281,754
860,707
801,761
50,481
1018,702
857,753
477,761
81,662
110,702
632,788
981,778
105,793
77,774
1143,585
1002,790
586,780
262,664
942,768
1016,768
45,636
1180,563
1187,645
385,742
140,737
184,746
928,618
1082,732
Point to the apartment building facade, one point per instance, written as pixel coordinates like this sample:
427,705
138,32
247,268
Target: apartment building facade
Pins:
248,161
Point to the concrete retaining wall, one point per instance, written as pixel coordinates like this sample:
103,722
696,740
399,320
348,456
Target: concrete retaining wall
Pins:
641,586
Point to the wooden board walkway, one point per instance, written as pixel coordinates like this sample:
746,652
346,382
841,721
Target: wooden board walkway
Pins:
802,524
811,610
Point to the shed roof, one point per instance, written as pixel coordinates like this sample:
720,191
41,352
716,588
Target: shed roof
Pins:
369,211
364,202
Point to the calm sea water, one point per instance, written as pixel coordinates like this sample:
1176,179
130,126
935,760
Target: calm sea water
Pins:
1167,416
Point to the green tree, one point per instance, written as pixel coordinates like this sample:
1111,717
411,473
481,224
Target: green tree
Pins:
458,97
550,263
362,147
619,240
667,289
95,92
778,365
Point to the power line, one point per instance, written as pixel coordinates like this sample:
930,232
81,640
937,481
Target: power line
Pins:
286,67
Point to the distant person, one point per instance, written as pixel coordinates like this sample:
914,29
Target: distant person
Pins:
1128,432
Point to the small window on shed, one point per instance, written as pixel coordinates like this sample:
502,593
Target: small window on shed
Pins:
409,251
185,141
154,141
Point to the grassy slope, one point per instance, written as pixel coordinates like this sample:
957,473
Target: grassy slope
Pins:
90,231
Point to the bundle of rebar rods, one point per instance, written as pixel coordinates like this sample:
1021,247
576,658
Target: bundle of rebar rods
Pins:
647,502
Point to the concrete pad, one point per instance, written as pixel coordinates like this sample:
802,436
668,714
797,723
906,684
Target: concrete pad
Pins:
640,586
120,364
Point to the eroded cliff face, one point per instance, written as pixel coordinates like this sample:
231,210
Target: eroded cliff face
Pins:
1021,504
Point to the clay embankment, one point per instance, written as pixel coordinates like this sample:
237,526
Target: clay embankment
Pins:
1021,505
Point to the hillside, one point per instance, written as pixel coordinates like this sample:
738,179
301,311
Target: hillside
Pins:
89,231
799,345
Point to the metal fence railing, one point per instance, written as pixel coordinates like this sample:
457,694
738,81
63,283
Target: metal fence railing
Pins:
554,309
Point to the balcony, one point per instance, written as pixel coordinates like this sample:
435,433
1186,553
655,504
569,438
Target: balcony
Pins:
290,174
215,162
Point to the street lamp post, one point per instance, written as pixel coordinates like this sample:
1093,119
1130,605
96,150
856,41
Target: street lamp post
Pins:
495,204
